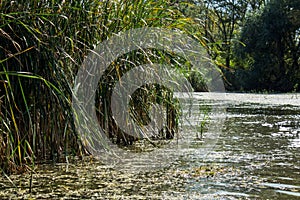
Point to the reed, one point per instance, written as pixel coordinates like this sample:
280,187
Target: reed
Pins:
42,45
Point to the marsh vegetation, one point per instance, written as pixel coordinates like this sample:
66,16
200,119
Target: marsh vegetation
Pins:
254,45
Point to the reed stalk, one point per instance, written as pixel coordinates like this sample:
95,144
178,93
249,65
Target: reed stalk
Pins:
42,46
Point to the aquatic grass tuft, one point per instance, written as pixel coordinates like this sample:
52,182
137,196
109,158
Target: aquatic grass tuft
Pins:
42,46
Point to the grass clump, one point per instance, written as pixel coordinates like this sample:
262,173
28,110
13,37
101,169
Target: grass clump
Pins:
42,46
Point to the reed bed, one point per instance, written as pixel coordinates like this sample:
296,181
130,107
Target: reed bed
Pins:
42,46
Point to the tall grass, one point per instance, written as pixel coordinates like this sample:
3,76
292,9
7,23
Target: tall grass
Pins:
141,100
42,45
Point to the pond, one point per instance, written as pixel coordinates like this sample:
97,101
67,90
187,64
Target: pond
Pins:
256,156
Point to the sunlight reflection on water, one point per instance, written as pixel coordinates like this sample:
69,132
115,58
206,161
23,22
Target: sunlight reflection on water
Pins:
256,157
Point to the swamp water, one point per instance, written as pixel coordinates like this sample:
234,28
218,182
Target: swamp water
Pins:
257,156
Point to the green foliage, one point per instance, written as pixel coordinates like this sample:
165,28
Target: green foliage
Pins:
219,26
141,100
256,44
197,81
271,50
42,46
39,39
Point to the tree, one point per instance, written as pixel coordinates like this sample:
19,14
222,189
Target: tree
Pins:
271,50
218,25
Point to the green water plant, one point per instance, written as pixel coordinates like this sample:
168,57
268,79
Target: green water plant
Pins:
204,122
42,45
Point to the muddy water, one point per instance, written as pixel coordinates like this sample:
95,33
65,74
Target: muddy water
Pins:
257,156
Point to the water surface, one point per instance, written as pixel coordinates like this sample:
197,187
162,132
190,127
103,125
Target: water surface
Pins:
257,156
